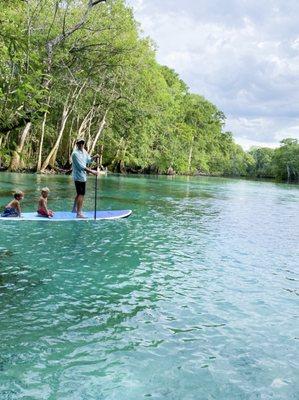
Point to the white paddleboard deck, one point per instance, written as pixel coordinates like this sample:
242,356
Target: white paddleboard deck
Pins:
69,216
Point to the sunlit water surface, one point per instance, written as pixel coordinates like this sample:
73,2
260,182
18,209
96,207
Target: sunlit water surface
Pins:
195,296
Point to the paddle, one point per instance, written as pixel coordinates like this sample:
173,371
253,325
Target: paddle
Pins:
96,190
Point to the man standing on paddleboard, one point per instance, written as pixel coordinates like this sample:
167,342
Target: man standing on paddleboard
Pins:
80,158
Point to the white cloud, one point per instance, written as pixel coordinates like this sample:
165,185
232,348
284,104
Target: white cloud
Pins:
262,131
243,55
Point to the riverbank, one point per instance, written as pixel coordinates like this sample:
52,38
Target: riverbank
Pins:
107,172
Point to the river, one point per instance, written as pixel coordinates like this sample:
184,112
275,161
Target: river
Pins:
193,297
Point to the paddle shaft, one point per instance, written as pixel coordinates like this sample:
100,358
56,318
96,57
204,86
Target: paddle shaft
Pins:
96,191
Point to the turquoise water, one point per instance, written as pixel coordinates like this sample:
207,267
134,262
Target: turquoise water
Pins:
195,296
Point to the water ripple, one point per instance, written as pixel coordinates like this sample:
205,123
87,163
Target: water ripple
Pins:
195,296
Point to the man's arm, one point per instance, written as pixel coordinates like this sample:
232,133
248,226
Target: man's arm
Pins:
92,171
88,161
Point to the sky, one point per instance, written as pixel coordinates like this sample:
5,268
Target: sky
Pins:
242,55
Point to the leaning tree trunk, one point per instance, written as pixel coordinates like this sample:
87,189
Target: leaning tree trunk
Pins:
81,132
70,141
98,134
84,124
40,151
50,160
67,109
15,162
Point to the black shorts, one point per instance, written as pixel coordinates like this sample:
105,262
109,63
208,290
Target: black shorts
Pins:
80,187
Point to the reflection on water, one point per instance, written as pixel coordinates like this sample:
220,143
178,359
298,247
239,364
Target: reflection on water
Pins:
195,296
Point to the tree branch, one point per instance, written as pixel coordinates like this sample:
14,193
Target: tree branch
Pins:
65,34
93,3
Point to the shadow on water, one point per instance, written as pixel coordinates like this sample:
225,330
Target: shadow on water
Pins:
4,253
17,279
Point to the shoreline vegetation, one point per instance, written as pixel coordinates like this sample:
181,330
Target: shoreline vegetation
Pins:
173,175
83,69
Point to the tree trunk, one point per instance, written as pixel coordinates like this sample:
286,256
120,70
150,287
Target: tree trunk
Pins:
288,172
101,155
67,109
122,167
4,139
84,125
98,134
1,139
39,161
70,141
50,160
15,162
190,155
115,161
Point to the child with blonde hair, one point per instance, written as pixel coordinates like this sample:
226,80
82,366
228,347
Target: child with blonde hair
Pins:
43,210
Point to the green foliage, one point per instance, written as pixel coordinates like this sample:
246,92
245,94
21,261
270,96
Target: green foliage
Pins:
281,163
286,160
20,67
59,56
263,162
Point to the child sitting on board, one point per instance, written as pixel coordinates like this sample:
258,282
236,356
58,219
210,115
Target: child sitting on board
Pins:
13,208
43,210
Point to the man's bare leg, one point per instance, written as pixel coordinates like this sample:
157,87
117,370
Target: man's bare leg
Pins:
74,210
80,199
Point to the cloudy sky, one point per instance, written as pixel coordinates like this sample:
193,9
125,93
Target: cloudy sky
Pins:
243,55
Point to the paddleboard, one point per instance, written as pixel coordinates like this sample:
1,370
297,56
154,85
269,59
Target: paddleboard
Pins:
69,216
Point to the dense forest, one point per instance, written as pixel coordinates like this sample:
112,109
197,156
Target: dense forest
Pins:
81,68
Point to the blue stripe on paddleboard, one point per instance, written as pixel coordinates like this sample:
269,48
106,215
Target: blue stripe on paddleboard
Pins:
69,216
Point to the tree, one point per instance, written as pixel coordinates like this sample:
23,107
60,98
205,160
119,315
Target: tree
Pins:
81,68
263,162
286,160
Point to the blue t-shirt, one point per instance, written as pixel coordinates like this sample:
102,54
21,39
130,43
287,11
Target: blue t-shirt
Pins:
80,159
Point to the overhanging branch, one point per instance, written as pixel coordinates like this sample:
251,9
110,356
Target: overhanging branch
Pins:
66,33
95,2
